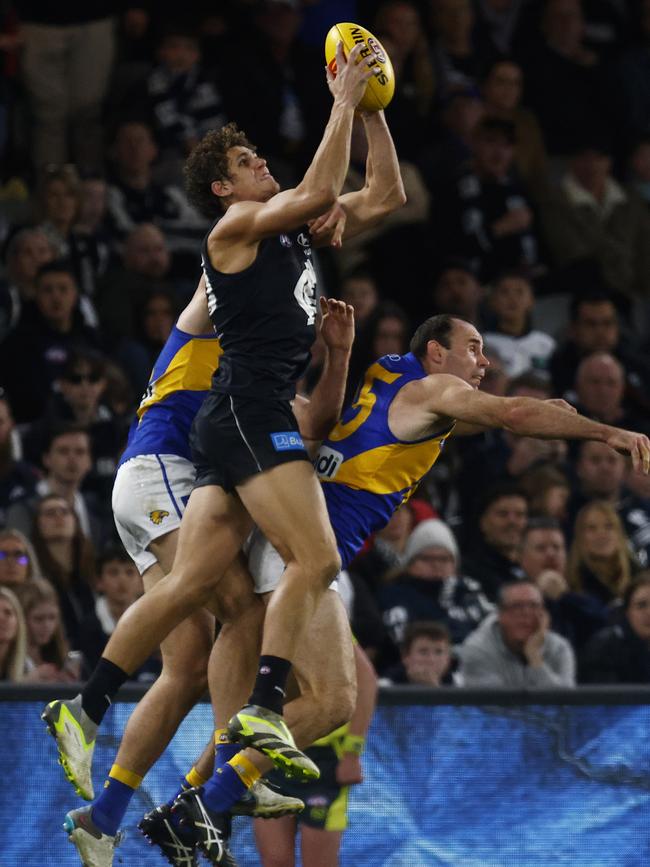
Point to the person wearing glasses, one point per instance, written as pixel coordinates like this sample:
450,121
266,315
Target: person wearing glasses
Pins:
18,563
515,648
79,400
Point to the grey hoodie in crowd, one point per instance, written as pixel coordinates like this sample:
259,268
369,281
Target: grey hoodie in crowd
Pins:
486,661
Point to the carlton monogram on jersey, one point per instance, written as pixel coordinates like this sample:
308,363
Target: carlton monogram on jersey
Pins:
366,471
264,317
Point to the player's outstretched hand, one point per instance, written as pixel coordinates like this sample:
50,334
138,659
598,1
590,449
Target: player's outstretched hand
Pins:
349,82
634,444
337,324
329,227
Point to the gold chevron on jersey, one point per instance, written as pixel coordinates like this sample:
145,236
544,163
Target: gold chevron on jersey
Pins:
390,468
187,368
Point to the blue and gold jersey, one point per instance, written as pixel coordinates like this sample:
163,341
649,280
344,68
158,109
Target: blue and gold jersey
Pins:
179,383
365,470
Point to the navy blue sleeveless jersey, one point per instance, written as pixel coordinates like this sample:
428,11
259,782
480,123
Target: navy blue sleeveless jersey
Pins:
264,318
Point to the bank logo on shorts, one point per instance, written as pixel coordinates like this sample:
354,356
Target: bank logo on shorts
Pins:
287,441
327,462
158,516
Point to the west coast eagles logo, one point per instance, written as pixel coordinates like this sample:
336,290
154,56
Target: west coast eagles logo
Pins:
158,516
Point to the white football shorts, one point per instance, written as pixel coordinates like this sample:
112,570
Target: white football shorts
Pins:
149,497
265,564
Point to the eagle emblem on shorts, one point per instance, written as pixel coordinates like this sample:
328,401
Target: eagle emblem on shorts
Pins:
158,516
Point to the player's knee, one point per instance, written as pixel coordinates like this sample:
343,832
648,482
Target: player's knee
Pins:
231,607
191,591
189,684
326,567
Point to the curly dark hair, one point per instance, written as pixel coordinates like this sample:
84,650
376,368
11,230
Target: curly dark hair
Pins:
207,163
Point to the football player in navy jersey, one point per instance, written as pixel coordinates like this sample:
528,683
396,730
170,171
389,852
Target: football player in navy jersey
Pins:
250,458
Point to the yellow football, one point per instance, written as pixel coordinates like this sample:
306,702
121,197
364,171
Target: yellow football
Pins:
380,88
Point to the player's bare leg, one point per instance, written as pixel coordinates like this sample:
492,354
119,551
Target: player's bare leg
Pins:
213,530
276,841
288,505
182,682
186,652
324,670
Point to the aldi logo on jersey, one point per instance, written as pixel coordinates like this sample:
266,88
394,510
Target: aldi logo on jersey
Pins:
327,462
287,441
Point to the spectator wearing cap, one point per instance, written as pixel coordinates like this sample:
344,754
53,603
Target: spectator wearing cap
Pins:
32,358
493,557
515,648
430,586
592,217
485,215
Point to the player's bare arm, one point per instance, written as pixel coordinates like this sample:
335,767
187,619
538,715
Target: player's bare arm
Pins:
383,191
445,396
256,211
316,417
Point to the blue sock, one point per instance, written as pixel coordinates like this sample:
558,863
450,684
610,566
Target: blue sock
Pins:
224,752
109,808
184,786
223,788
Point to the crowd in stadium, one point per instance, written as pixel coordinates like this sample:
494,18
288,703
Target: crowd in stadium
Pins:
523,132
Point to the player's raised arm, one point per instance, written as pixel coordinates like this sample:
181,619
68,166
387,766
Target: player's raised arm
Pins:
317,416
383,191
323,180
